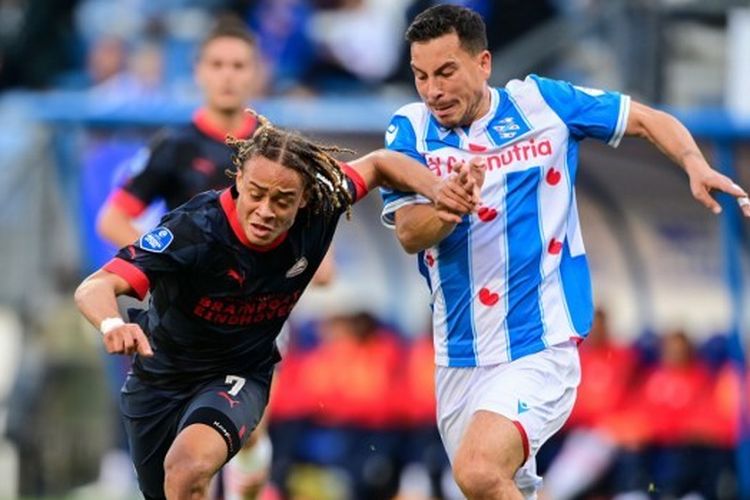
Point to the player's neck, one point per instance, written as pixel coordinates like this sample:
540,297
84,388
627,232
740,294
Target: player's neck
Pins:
227,121
484,104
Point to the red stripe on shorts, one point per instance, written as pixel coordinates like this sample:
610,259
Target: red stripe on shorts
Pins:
524,439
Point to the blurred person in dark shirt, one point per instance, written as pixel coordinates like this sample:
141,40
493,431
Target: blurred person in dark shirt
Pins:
184,161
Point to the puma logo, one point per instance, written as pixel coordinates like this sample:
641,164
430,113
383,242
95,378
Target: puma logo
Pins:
236,276
232,402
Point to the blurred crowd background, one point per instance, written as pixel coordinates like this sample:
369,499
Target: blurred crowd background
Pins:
85,83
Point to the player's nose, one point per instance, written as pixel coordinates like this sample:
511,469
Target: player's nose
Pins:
265,211
434,91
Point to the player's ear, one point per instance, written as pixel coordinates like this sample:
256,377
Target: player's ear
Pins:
305,198
485,62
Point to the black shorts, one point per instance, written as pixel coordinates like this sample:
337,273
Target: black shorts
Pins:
153,417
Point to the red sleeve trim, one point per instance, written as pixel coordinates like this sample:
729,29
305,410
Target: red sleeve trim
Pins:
524,439
127,202
130,273
359,183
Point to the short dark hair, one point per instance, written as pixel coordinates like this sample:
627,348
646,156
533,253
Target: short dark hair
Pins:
445,19
227,26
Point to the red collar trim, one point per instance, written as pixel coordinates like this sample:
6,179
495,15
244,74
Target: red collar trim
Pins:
203,123
226,199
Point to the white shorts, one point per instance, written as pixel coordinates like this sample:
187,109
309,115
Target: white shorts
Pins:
536,392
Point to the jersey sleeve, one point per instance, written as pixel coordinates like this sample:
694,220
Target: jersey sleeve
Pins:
400,136
175,245
153,172
587,112
355,183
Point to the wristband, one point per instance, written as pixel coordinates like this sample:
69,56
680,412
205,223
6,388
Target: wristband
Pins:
109,324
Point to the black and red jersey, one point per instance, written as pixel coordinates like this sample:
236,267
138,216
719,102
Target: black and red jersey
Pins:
180,163
217,301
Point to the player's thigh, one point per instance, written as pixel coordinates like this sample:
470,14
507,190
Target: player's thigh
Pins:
151,418
198,449
534,393
493,440
232,406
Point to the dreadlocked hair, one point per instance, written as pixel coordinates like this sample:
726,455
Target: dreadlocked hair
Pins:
321,172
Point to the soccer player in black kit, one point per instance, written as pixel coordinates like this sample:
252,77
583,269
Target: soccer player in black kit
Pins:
224,271
186,160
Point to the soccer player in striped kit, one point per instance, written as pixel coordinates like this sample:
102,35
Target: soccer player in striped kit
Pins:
511,292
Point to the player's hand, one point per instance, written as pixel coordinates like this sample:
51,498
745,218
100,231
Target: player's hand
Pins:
455,196
127,339
475,169
464,184
704,180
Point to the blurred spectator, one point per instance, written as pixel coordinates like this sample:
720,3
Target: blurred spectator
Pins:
649,439
359,409
118,75
284,44
140,80
357,42
107,58
607,370
353,373
325,46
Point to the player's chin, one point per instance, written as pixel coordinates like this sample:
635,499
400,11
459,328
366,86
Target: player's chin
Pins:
447,121
229,105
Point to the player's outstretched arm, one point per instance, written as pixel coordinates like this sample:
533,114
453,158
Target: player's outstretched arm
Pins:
419,227
326,270
96,298
398,171
115,226
674,140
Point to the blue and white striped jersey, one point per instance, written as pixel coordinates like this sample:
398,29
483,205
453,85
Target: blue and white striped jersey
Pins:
512,278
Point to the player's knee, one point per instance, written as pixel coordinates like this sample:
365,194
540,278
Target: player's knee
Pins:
186,474
481,479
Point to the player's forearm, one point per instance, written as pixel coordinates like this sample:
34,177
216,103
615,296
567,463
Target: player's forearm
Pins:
96,298
400,172
668,134
116,227
326,271
418,227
